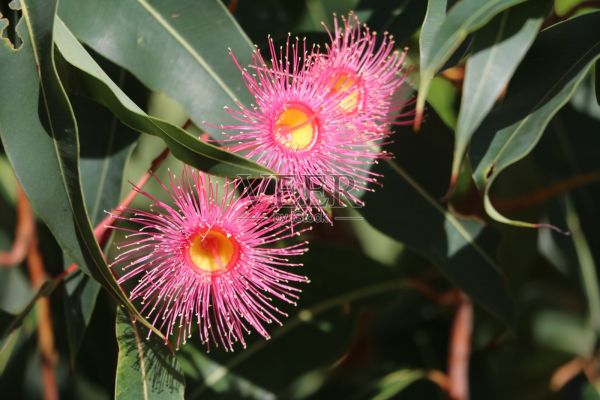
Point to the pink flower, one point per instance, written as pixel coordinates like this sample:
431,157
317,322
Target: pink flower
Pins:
212,258
369,70
300,128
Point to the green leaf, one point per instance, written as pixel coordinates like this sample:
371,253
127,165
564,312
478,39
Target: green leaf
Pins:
465,17
407,209
401,18
498,49
395,382
564,332
50,179
96,84
8,342
9,329
199,367
105,147
544,82
597,81
442,98
146,368
174,46
587,266
434,18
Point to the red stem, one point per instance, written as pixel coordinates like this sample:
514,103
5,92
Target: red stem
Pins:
460,350
24,232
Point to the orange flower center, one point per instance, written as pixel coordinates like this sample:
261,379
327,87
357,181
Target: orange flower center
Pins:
348,84
213,251
296,127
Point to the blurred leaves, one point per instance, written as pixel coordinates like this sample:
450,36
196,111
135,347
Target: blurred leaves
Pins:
394,383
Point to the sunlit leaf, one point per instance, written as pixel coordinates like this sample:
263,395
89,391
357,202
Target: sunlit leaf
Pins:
498,49
146,368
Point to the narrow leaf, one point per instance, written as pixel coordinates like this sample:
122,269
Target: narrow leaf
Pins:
544,82
498,49
146,369
105,147
96,84
170,46
434,17
463,18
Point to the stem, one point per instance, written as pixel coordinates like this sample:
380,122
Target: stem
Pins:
460,350
37,275
24,232
101,230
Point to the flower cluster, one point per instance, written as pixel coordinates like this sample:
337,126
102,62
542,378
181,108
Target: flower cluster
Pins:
320,114
213,257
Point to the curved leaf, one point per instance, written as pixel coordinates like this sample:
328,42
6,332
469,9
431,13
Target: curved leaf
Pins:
146,369
498,49
192,37
105,147
51,178
465,17
96,84
544,82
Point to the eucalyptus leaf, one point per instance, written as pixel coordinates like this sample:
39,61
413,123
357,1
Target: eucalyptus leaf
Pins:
146,368
96,84
544,82
498,48
50,179
463,18
179,47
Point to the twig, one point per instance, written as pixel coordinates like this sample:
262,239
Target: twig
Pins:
24,232
101,230
37,275
460,350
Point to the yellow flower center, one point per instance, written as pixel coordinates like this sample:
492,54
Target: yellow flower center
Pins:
348,84
296,127
213,251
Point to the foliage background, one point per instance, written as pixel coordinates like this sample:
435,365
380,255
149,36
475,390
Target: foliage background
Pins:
510,84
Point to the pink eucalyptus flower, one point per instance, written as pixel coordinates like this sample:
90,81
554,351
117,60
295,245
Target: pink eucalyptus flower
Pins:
300,129
211,258
369,70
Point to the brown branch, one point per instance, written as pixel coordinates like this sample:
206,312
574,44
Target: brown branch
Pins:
460,350
37,275
541,195
101,230
24,232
